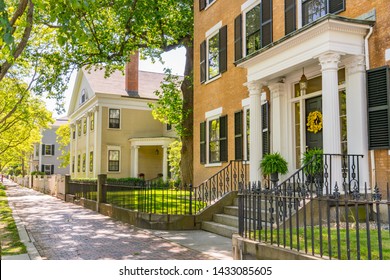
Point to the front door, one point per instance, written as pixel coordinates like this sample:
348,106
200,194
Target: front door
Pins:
313,128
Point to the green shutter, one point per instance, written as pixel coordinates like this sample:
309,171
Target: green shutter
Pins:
378,94
238,135
223,144
238,38
265,128
289,16
223,49
203,62
266,22
336,6
203,142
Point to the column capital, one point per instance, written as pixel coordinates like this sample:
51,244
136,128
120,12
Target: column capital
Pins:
254,87
276,89
355,64
329,61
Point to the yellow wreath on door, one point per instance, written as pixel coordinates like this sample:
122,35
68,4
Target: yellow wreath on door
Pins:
314,121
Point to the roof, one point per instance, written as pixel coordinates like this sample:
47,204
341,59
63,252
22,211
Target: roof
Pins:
148,83
60,121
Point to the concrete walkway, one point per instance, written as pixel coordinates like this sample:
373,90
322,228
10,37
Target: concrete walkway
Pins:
55,230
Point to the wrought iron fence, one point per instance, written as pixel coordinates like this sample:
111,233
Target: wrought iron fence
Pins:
339,224
86,190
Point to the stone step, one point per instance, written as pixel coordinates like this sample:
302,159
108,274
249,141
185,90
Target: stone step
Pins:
219,229
225,219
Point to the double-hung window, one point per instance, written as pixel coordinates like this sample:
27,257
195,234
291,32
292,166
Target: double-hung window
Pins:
113,159
242,134
314,9
205,3
114,118
253,28
213,53
48,150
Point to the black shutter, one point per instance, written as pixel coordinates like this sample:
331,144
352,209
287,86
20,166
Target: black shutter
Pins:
289,16
203,62
378,93
265,128
203,142
202,5
52,149
238,135
51,169
223,49
223,144
42,168
336,6
266,22
238,38
43,149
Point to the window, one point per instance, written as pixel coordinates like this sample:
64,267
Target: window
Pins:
378,102
213,54
78,163
74,134
241,134
48,150
84,161
265,128
79,128
169,127
91,161
92,121
113,160
36,150
48,169
256,29
114,118
84,96
289,16
85,126
73,161
314,9
205,3
215,141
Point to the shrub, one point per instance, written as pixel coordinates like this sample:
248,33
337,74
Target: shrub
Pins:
273,163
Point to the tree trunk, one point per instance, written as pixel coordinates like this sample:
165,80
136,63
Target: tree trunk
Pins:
187,153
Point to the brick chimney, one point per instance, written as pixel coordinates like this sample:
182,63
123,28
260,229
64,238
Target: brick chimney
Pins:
131,75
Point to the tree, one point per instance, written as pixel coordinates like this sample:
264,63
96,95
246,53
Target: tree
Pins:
63,140
45,40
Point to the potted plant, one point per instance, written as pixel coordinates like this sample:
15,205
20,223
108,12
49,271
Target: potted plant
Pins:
312,161
273,164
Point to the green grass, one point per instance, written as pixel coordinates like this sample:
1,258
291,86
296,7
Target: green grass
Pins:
157,201
9,236
353,241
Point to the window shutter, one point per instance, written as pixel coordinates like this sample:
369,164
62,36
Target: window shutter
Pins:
238,38
223,49
202,5
238,135
203,62
378,93
336,6
265,128
42,168
266,22
52,149
43,149
51,169
223,145
289,16
203,142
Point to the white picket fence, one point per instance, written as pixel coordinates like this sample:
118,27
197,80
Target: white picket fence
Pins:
48,184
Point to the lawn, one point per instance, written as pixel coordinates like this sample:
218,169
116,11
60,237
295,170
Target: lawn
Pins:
157,201
9,236
322,237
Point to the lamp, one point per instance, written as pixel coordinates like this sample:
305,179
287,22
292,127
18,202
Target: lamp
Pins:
303,81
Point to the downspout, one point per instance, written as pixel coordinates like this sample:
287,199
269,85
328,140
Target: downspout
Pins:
367,56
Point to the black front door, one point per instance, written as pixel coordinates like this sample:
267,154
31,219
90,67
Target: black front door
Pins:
313,139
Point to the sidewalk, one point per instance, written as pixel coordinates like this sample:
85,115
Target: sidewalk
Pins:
56,230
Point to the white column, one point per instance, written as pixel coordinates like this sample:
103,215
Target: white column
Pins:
165,162
278,118
76,150
256,146
331,114
135,161
98,146
357,113
72,128
95,140
87,147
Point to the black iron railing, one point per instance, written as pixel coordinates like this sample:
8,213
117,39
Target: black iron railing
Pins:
86,190
342,224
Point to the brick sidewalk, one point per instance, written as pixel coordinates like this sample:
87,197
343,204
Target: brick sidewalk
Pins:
64,231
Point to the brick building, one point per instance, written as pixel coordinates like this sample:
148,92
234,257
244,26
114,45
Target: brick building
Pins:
261,68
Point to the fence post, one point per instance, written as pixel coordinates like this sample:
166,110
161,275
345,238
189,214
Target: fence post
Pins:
66,191
191,189
101,190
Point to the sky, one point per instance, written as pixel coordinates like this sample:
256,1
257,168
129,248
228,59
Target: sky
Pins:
174,59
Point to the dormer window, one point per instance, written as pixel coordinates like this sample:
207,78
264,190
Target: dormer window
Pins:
84,96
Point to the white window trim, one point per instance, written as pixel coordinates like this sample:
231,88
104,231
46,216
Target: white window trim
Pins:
209,5
210,116
84,93
44,168
249,5
48,155
120,118
210,34
245,110
114,148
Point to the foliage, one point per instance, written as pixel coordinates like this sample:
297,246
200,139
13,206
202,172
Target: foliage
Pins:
128,181
63,140
85,180
273,163
313,161
174,157
38,173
